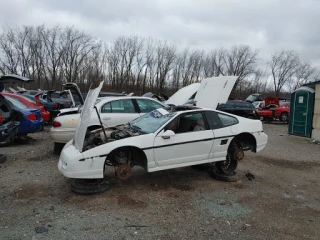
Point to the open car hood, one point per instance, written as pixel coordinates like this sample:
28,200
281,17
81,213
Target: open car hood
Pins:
215,90
11,78
88,108
49,92
210,92
183,95
74,89
271,100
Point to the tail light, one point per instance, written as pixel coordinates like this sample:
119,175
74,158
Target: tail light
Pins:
55,106
56,124
32,117
1,119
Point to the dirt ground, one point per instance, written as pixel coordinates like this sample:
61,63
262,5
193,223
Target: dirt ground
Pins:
283,202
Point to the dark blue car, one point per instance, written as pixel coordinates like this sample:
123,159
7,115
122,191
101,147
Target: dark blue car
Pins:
32,120
9,121
10,114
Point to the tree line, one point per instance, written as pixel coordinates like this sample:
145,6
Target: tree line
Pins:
52,56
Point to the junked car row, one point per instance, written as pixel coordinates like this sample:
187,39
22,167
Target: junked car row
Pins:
21,113
156,133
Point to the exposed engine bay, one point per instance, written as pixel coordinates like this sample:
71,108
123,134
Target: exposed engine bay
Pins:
98,137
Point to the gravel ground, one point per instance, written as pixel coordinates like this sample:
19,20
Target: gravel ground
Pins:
283,202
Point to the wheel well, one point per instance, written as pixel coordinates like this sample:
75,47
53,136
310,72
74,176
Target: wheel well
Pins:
247,141
139,158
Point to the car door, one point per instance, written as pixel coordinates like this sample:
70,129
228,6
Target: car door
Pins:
224,129
147,105
118,112
191,142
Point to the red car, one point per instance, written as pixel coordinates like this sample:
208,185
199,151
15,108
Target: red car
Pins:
26,101
274,111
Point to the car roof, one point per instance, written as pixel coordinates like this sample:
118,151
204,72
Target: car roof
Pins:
128,97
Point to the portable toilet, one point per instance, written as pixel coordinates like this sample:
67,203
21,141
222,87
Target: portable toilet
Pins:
301,112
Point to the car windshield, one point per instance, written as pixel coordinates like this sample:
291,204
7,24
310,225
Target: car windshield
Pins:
256,103
16,103
152,121
252,97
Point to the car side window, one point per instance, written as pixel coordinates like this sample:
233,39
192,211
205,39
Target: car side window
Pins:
119,106
219,120
213,120
189,122
146,105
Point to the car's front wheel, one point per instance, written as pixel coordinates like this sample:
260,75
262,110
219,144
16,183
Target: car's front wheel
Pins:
228,166
57,147
284,117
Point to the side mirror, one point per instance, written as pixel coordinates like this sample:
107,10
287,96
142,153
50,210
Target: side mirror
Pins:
167,134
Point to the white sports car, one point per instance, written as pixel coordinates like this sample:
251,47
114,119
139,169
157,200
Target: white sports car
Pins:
164,138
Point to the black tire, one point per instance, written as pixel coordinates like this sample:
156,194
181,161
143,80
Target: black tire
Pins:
89,186
57,148
284,117
228,166
3,158
203,167
218,175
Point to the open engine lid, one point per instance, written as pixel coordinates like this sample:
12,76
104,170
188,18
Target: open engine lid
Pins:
88,108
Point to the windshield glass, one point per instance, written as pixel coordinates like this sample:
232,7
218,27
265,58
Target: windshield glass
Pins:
256,103
253,97
16,103
152,121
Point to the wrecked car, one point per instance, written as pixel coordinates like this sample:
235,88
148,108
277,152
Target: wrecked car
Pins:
275,109
166,138
9,117
112,111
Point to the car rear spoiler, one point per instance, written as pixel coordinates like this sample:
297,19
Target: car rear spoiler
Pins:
37,98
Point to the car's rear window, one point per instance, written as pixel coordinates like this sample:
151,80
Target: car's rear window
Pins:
16,102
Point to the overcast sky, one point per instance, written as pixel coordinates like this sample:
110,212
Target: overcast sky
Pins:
267,25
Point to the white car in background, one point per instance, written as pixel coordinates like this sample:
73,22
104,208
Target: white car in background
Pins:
112,111
168,138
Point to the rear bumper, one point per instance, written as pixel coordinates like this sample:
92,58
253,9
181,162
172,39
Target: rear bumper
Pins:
62,135
45,116
30,126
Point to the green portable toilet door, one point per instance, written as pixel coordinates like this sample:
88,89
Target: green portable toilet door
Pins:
300,119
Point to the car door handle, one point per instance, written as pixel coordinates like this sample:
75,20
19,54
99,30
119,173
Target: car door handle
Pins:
106,118
165,137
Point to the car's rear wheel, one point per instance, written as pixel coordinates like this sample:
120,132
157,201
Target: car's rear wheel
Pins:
89,186
284,117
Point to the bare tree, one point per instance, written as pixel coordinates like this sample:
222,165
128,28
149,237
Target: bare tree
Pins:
304,73
240,61
213,65
283,67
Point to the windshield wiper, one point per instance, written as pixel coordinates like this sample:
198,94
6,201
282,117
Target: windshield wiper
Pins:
135,127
